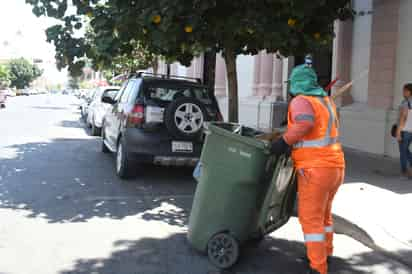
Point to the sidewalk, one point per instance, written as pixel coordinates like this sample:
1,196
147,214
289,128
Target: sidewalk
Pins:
374,205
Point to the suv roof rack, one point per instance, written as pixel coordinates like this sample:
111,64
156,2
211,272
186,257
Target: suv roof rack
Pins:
164,76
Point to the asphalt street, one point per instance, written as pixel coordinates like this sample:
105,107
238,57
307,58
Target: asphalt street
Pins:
63,210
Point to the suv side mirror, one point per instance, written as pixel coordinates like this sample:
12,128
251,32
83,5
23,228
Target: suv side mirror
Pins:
108,100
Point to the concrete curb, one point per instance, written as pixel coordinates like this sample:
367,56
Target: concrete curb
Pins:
346,227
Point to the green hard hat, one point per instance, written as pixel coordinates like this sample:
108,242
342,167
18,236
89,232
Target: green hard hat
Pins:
304,81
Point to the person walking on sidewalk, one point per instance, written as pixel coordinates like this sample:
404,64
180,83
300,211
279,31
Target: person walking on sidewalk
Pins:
313,136
404,132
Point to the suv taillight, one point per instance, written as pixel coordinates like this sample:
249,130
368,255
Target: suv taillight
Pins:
136,117
219,116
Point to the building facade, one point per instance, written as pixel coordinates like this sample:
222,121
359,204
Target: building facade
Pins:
374,50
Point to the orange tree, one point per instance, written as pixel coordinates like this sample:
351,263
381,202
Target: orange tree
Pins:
182,29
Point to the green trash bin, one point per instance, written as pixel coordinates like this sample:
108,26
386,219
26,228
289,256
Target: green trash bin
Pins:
242,194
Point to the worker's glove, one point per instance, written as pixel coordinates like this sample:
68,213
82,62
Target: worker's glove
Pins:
280,147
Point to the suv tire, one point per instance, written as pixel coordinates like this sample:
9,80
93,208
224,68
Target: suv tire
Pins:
123,163
105,149
184,118
95,130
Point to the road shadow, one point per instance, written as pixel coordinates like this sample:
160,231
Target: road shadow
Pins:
72,124
70,180
376,170
173,255
79,123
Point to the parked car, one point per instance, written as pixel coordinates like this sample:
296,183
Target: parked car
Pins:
3,98
33,91
86,101
9,93
22,92
157,120
97,108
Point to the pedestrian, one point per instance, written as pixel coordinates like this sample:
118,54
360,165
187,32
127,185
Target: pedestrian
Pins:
313,136
404,132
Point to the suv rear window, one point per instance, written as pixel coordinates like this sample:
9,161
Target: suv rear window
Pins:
169,93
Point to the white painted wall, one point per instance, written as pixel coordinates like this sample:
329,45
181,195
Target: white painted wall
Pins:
245,67
404,51
361,44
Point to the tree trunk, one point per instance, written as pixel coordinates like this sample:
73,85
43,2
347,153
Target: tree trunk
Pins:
155,65
209,70
230,59
168,70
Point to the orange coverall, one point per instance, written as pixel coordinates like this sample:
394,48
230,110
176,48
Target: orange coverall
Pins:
319,160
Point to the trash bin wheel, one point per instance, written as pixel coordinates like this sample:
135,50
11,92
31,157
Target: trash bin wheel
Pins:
223,250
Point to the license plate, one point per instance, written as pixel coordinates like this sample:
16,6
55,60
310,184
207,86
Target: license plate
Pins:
182,146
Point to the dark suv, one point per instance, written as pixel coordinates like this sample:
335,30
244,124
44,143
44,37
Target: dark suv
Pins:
157,119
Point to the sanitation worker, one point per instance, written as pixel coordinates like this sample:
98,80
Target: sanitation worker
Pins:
313,137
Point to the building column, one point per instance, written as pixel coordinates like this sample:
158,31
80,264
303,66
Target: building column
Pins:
174,68
198,67
342,53
384,43
277,82
256,75
190,71
220,77
265,75
288,64
162,67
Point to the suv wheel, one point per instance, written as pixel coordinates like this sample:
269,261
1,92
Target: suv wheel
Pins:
95,130
184,118
123,163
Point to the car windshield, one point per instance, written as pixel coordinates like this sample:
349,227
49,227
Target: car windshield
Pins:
170,93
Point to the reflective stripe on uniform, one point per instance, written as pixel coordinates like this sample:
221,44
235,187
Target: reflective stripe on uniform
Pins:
327,140
317,143
304,117
315,237
328,229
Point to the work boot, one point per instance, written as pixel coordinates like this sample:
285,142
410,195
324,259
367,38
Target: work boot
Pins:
312,271
306,260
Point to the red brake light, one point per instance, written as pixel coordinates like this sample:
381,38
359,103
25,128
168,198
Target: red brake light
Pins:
219,116
136,117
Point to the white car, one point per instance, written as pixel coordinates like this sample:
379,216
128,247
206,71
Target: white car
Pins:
10,93
86,100
97,109
3,98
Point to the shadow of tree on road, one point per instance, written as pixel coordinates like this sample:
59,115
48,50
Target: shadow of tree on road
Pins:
173,255
70,180
72,124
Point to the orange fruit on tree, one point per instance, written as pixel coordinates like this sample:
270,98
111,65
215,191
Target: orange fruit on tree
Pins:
316,35
188,29
291,22
157,19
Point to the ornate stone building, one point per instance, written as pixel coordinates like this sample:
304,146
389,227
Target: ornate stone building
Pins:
375,49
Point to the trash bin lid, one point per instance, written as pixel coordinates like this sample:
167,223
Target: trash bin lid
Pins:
239,133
